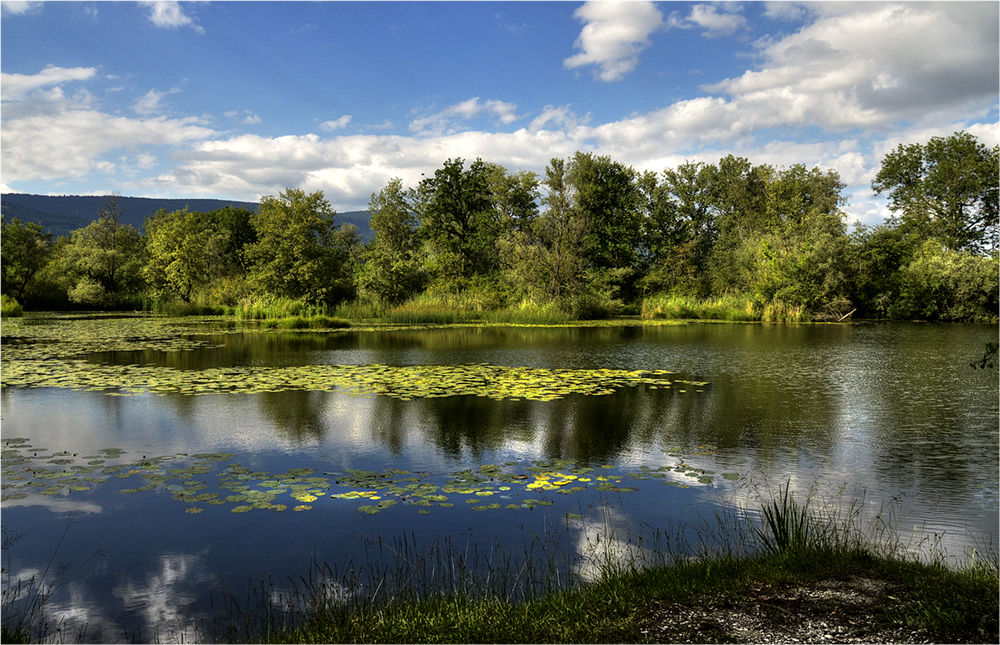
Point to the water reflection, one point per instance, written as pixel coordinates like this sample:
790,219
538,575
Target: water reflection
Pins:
892,411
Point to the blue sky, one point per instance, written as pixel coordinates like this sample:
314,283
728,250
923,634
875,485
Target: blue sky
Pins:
236,100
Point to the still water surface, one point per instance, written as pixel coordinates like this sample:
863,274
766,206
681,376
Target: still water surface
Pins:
890,413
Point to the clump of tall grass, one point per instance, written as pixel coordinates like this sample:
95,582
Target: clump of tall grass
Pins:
788,526
781,311
191,309
675,307
10,307
269,307
311,322
435,309
23,600
359,310
528,312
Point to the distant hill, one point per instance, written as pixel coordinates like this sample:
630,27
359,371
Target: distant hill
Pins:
63,214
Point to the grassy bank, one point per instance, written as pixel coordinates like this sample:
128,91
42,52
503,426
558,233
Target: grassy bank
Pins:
472,307
786,571
916,601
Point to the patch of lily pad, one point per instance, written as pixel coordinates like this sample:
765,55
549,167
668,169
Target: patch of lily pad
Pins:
53,352
402,382
214,479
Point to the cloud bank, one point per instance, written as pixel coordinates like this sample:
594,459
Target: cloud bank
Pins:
874,75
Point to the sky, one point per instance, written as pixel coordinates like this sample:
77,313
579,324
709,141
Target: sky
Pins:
237,100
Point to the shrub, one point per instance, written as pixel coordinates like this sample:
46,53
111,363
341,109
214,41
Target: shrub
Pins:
10,307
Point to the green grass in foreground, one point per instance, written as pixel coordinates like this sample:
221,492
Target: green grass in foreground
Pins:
738,559
941,604
741,560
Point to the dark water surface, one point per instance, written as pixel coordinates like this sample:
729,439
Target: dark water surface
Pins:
892,411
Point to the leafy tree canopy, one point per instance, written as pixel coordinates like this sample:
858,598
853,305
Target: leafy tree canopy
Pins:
946,188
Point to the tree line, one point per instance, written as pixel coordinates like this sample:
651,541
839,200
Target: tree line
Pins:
591,237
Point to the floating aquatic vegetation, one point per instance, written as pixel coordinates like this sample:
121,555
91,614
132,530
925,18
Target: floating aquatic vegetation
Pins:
402,382
52,353
242,489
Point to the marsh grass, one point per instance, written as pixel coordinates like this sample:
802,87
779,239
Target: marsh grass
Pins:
729,308
181,309
23,616
528,312
724,308
311,322
270,308
600,590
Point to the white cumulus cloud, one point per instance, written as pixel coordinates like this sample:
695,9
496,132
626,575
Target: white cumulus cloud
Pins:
15,86
613,35
336,124
448,121
873,65
13,7
169,14
714,23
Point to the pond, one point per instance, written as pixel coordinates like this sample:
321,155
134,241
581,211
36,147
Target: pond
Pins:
205,464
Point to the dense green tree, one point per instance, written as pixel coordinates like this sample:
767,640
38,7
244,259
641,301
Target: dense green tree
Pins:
459,221
875,255
738,204
300,252
235,224
679,228
26,249
782,238
946,188
514,195
944,284
608,199
393,269
185,251
546,258
104,259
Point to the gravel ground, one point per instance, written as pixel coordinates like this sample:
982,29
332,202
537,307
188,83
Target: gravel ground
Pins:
830,611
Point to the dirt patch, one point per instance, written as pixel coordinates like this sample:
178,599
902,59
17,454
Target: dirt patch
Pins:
828,611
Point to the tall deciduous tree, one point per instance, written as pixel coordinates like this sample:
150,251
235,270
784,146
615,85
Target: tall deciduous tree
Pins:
392,269
299,252
459,220
608,199
546,258
679,227
105,258
26,249
946,188
186,250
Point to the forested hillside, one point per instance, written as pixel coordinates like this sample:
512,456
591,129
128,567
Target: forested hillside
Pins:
589,239
62,214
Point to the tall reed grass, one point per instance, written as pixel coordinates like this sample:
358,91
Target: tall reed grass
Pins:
732,308
23,601
674,307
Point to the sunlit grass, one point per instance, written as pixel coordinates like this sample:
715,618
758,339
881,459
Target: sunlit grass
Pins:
726,308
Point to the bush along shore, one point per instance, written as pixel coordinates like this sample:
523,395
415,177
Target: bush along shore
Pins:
786,571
